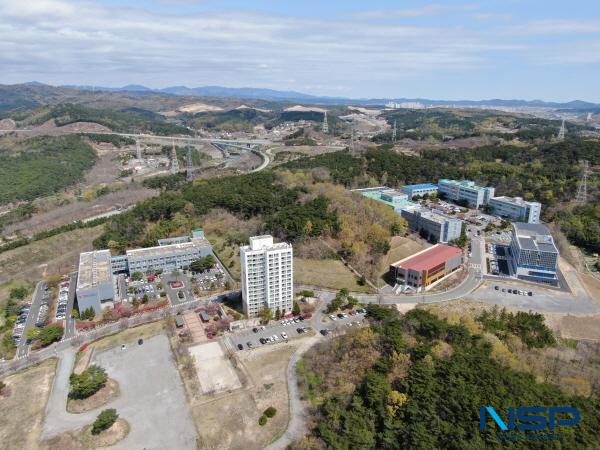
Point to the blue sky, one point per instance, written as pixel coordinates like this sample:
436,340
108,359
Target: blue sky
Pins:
441,49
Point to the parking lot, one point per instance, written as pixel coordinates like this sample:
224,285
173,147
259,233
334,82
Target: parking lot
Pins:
272,333
275,328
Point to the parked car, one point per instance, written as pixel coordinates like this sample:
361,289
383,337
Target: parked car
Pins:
283,335
324,332
240,347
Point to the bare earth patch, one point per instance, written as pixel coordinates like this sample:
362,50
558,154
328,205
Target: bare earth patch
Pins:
22,411
84,439
231,421
109,392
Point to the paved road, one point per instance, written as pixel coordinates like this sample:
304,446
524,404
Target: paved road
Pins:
36,301
158,138
296,428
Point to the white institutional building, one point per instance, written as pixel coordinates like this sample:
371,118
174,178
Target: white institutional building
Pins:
267,276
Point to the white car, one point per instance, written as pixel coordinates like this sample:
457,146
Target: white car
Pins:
332,317
283,335
275,337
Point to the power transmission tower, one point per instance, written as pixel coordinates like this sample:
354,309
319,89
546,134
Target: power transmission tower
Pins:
353,140
394,132
174,161
581,197
139,149
189,164
561,133
325,124
589,117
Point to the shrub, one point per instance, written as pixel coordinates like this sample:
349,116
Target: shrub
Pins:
50,333
104,420
262,421
87,382
270,412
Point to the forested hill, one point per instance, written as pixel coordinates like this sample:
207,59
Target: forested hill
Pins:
548,173
43,166
415,381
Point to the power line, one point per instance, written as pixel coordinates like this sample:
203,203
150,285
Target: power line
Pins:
189,164
581,197
174,161
394,132
561,133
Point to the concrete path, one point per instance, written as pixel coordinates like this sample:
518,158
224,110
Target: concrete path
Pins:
297,428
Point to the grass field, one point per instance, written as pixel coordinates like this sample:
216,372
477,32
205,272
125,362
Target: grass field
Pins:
328,273
55,255
22,408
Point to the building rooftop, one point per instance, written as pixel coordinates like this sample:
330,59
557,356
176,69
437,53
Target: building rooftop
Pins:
163,250
428,258
420,186
375,194
264,242
463,183
534,236
514,200
94,269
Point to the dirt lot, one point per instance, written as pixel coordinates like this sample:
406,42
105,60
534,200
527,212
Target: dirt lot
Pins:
55,255
215,371
22,410
83,438
231,421
329,273
592,284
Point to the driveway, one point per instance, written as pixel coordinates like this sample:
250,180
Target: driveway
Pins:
152,397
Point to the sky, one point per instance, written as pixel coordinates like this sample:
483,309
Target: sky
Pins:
525,49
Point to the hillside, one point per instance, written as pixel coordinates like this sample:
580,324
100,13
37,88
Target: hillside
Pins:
43,166
416,381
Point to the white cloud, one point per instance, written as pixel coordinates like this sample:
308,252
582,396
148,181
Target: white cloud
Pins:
60,41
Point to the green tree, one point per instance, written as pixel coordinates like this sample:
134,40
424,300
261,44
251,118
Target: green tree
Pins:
137,276
277,314
266,314
88,314
50,334
105,420
87,382
296,309
351,302
270,412
262,421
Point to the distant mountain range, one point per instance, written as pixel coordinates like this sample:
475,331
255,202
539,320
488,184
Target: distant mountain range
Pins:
271,94
34,93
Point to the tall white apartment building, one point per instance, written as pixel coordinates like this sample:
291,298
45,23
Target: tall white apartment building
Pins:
267,276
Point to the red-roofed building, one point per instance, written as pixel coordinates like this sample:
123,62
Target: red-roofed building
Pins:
423,269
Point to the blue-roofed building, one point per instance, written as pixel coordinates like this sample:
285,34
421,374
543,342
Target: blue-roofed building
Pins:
419,190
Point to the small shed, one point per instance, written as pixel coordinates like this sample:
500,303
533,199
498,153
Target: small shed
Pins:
178,321
204,316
